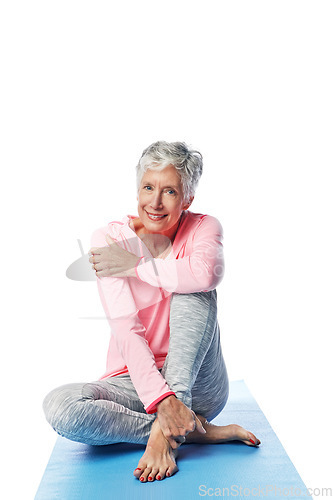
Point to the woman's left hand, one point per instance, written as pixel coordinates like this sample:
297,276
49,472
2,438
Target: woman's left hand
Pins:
113,260
177,420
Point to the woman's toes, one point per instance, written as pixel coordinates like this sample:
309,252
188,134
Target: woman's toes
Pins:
171,471
246,436
253,440
137,472
153,474
161,473
145,474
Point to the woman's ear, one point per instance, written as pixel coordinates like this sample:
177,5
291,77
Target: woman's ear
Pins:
188,204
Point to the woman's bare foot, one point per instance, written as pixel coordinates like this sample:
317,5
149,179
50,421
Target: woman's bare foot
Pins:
159,459
222,434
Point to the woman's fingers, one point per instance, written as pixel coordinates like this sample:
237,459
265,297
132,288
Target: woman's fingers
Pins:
113,260
95,250
95,258
172,436
199,426
102,257
177,420
174,443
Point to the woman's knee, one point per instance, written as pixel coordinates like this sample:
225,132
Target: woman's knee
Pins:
212,405
196,302
58,403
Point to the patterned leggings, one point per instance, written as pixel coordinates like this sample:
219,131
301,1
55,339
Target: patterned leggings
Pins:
110,411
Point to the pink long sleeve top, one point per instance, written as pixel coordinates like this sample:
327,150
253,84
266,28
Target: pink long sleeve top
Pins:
138,308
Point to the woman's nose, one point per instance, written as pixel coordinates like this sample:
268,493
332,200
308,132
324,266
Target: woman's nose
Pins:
156,201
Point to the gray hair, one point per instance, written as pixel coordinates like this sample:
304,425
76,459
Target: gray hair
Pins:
187,162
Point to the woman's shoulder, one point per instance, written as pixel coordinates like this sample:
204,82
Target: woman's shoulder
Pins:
197,228
98,236
196,220
113,228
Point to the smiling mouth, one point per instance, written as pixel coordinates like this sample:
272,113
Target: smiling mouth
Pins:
156,216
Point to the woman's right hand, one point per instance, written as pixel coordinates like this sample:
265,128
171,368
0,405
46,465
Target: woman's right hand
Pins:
177,420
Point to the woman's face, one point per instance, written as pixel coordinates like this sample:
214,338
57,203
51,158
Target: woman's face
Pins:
161,195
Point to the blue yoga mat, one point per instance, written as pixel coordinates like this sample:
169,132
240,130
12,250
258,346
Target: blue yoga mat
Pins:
81,472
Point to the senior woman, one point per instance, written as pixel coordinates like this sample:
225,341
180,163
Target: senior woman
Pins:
157,275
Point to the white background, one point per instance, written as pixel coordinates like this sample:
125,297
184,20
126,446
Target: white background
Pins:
85,87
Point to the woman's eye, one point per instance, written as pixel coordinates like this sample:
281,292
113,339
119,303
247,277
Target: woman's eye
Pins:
169,191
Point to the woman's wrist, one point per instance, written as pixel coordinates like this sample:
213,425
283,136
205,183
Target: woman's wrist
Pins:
166,402
131,272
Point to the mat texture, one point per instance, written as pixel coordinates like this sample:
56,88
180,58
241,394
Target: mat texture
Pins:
82,472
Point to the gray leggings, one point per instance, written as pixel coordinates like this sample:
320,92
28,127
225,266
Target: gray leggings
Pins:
110,411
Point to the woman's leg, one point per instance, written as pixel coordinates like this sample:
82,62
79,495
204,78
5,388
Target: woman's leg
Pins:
99,413
110,411
194,367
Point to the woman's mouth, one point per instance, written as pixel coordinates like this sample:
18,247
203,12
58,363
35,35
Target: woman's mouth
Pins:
155,216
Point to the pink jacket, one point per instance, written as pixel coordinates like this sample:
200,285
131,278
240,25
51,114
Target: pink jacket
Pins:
138,308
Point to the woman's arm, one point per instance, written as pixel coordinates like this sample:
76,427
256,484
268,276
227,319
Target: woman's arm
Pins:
176,420
129,332
201,271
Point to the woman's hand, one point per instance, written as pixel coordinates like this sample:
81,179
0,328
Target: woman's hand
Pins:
113,260
177,420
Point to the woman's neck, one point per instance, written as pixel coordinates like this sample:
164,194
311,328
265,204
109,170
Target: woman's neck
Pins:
141,231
